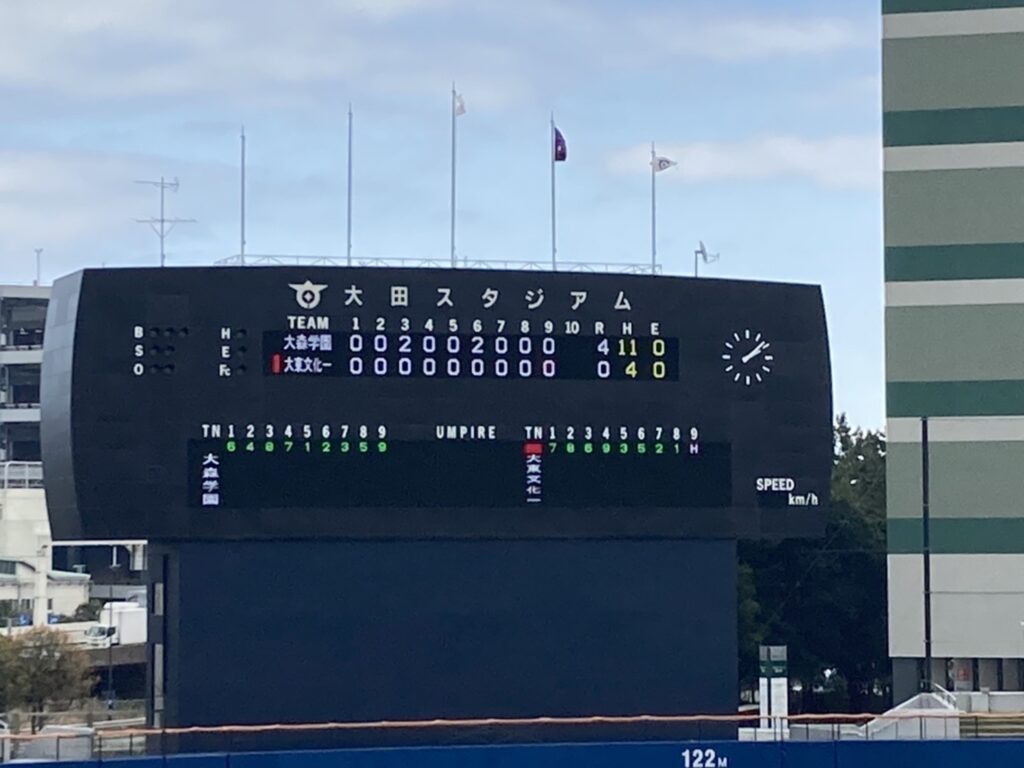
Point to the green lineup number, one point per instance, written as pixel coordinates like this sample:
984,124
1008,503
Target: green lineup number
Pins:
703,758
307,446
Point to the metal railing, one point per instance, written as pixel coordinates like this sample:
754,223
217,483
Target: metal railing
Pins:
278,260
945,696
21,340
122,738
21,474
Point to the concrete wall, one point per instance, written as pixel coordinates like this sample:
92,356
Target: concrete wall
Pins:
25,538
24,526
953,129
977,606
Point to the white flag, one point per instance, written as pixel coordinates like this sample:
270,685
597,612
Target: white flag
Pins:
460,105
663,164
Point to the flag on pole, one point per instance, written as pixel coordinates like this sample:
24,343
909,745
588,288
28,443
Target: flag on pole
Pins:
460,105
560,150
663,164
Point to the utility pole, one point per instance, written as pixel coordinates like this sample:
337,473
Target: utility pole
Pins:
163,226
39,254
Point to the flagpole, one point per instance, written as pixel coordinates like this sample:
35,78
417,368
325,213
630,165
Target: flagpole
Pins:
554,260
348,197
453,177
241,205
654,240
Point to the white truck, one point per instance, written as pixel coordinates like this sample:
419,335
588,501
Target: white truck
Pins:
120,623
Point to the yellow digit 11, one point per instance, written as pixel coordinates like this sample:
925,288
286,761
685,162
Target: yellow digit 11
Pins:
627,347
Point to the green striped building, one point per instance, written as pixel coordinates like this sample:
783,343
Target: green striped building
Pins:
953,99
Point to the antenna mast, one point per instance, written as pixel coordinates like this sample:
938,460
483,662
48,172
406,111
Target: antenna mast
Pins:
162,226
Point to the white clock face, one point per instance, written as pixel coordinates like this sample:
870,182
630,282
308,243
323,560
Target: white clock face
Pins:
748,357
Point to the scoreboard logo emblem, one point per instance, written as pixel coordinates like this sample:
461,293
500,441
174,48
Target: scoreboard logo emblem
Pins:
307,294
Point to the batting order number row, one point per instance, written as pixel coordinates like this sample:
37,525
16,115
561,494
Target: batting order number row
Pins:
449,432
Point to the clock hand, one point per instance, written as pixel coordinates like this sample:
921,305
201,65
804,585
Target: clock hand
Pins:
754,352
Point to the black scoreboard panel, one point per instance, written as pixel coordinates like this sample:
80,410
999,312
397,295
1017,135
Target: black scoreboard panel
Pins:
280,402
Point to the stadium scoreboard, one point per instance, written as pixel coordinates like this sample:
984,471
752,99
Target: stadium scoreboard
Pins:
305,402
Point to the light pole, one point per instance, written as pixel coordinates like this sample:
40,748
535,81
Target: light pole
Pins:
926,557
39,253
241,206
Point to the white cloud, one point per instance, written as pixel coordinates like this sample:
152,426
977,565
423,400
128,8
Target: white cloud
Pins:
116,73
753,38
387,10
255,51
81,206
836,162
67,196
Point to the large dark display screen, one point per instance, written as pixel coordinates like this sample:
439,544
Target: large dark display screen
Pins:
280,402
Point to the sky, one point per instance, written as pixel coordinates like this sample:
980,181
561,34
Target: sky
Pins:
772,111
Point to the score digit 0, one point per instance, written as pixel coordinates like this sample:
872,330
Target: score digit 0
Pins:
658,366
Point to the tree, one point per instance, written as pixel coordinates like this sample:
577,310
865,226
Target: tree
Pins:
749,620
826,598
51,671
10,680
89,611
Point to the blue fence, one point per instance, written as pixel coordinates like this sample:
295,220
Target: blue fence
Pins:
850,754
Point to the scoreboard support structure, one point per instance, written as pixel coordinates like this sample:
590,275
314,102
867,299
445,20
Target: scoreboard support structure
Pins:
397,494
309,632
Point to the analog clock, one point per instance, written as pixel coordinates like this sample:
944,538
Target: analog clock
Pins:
748,357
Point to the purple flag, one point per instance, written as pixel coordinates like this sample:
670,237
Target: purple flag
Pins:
560,151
